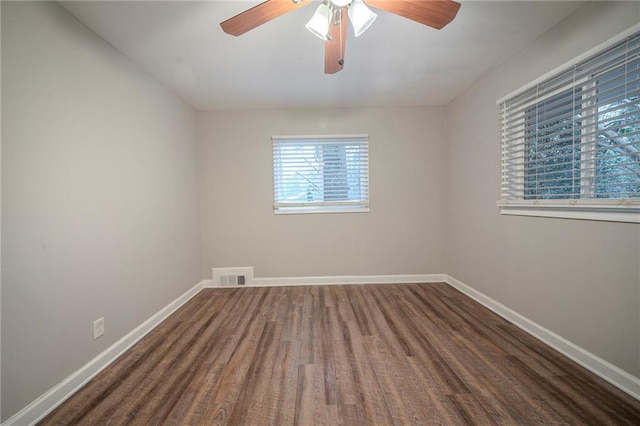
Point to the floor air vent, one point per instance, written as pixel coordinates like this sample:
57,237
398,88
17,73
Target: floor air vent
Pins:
232,277
232,280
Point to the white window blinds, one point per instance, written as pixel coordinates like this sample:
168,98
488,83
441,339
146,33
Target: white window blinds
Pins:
574,138
320,173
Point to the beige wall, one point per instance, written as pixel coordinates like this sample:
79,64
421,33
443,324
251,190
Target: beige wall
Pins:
99,198
580,279
403,233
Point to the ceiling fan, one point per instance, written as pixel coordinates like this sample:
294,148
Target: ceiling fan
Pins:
329,22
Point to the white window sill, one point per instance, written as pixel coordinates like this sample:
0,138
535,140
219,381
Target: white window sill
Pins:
320,210
608,212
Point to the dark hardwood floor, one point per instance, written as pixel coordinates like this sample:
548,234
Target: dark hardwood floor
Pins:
376,354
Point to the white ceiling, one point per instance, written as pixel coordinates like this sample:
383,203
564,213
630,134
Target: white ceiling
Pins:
281,65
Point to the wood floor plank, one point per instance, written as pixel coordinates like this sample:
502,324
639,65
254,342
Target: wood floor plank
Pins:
349,396
471,411
376,410
342,355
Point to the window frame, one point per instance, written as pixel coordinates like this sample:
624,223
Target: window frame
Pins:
360,206
602,209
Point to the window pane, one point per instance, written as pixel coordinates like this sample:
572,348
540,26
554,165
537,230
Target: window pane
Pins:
357,183
300,180
617,173
552,148
335,178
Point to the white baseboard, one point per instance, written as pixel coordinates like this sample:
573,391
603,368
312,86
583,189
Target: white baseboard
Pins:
252,281
207,283
604,369
349,279
46,403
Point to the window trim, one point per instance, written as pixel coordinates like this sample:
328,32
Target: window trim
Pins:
613,210
325,210
609,210
318,208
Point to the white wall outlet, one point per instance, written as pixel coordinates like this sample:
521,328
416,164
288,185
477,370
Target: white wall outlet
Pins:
98,328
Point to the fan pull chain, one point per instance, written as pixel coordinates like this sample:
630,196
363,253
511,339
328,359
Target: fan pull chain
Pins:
341,60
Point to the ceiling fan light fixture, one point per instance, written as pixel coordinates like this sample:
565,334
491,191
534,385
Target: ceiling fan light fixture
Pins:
318,25
341,3
361,17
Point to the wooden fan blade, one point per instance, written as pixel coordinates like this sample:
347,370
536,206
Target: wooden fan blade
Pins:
335,47
434,13
260,14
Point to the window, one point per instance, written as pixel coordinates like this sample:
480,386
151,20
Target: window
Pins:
320,174
571,142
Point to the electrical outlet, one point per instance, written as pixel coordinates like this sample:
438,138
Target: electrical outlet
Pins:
98,328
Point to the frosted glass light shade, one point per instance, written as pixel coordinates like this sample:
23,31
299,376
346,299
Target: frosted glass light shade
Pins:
341,3
318,25
361,17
